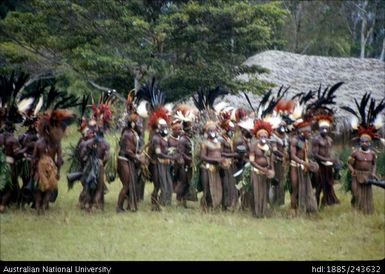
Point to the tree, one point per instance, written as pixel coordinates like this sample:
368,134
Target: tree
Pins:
335,28
121,44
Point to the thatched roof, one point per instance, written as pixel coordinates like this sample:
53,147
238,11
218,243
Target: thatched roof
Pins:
303,72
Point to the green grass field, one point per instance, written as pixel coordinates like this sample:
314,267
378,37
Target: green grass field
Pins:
67,233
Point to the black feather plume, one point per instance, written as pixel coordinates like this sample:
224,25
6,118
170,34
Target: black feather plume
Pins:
205,98
375,111
326,98
213,94
248,100
83,104
367,114
350,110
150,93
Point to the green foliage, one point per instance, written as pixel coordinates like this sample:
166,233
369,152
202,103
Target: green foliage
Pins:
381,165
333,28
245,181
5,172
111,165
186,44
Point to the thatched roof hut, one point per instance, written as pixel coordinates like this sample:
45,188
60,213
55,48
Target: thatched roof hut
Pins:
304,73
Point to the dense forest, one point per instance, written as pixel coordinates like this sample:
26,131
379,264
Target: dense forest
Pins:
86,45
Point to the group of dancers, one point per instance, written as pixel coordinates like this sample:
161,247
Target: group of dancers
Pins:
239,158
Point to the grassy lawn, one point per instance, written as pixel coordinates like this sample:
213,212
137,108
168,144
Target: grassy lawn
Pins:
67,233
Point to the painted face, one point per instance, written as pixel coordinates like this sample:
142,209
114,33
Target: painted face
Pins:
365,143
262,137
176,131
306,133
211,133
324,131
163,130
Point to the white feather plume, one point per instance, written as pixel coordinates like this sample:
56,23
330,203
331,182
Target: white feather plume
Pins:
142,109
220,106
354,122
274,120
38,106
247,124
169,107
24,105
378,123
297,112
229,109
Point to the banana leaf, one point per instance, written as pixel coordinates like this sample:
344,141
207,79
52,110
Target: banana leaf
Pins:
245,181
73,155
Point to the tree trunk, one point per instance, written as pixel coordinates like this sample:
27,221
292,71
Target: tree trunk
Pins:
367,26
298,21
363,37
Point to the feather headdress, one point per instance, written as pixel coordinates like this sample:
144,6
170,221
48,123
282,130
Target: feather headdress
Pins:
285,108
152,104
10,109
53,122
204,98
184,113
266,108
269,102
238,114
159,114
261,125
247,124
209,125
101,115
321,109
367,118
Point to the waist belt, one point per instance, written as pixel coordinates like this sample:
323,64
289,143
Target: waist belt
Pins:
9,160
295,164
256,170
210,167
123,158
164,161
327,163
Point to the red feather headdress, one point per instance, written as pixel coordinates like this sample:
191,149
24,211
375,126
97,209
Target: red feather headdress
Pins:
54,122
240,114
285,106
156,115
262,125
102,114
